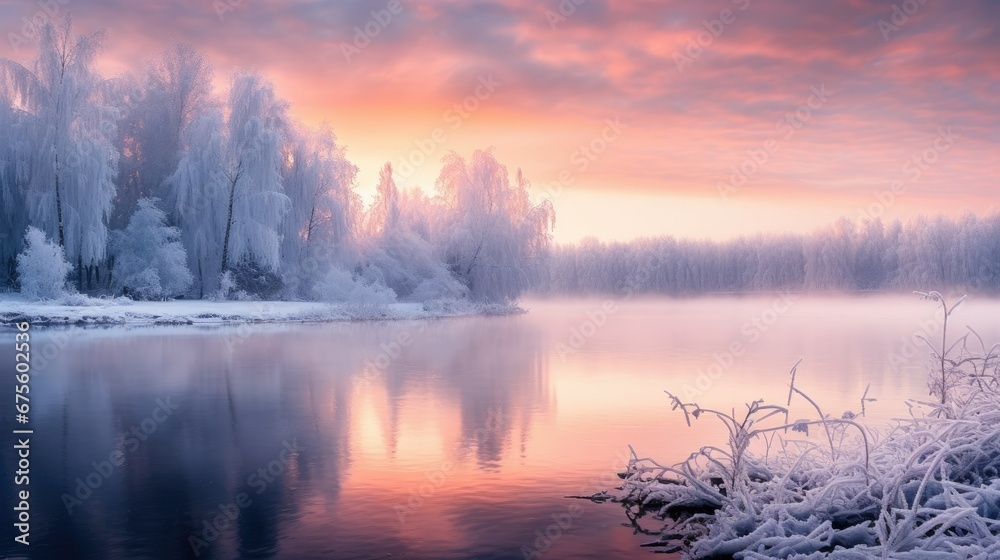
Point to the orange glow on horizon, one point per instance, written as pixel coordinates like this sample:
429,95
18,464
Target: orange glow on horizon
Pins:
686,127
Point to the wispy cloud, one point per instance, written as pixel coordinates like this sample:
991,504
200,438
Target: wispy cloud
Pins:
561,79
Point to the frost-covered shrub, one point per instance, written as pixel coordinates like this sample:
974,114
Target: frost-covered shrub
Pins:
399,258
42,267
929,487
144,284
405,264
340,286
256,281
229,289
440,286
150,262
494,239
76,299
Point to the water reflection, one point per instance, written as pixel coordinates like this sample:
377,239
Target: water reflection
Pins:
275,415
446,439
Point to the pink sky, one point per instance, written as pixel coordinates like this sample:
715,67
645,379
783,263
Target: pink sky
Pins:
666,119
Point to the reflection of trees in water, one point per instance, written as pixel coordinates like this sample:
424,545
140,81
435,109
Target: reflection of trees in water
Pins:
241,401
235,413
492,370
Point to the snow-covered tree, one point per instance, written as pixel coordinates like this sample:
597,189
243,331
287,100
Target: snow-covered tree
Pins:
397,257
961,254
14,153
42,267
254,159
421,214
198,186
172,91
149,260
70,129
383,216
494,239
319,180
228,186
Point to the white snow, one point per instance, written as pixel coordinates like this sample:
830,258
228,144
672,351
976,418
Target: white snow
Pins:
95,311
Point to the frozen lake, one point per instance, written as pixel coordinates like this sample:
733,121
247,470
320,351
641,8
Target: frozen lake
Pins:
455,438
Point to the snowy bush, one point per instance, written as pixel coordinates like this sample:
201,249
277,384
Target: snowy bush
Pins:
226,285
150,262
42,267
494,238
440,286
75,299
340,286
255,281
229,289
927,488
249,282
405,264
397,257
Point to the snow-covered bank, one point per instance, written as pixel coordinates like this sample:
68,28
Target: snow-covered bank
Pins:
81,310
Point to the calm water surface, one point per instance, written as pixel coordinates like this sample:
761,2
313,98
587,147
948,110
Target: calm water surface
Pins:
444,439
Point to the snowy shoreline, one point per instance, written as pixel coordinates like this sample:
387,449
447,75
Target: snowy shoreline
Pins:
83,311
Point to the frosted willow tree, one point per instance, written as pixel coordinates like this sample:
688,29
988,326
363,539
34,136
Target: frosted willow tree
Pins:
318,179
172,91
393,256
254,160
384,215
494,238
228,186
14,154
420,213
70,131
199,204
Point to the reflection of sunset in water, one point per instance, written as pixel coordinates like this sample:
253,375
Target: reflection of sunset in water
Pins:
463,445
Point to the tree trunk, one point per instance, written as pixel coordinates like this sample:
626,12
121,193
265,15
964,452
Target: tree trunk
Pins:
309,229
59,212
229,225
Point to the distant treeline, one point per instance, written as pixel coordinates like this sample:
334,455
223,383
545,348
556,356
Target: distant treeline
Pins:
940,252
